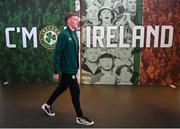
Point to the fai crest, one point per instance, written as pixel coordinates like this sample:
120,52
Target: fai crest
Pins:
48,36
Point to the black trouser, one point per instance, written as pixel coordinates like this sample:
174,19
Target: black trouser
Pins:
68,80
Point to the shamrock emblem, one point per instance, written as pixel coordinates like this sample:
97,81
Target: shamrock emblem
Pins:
50,37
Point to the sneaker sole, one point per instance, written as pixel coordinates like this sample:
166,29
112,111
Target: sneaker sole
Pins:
92,123
42,107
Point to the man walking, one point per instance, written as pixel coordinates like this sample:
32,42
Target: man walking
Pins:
66,62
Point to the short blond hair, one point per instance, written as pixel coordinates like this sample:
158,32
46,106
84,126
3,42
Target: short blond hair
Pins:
70,14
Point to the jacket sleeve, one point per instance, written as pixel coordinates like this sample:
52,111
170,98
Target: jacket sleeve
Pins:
58,53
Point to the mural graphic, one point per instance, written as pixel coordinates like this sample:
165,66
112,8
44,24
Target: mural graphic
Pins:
29,29
161,66
102,65
23,57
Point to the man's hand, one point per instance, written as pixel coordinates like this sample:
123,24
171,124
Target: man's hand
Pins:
55,77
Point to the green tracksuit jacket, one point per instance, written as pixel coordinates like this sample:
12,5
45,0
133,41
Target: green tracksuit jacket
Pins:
66,53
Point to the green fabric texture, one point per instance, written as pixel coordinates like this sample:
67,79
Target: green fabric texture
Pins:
66,53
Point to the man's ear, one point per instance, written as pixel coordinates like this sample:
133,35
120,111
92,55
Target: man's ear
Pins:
100,17
99,64
68,20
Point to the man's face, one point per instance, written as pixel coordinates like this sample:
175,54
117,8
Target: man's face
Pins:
73,22
106,63
125,75
91,55
131,6
106,16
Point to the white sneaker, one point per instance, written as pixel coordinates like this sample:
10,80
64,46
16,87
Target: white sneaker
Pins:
45,107
84,121
5,83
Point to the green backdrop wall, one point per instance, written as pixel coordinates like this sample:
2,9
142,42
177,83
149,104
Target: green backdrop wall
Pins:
31,64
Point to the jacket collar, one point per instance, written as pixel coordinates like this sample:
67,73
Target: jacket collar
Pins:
70,29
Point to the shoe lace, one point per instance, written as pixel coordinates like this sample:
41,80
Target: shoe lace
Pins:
49,109
87,119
